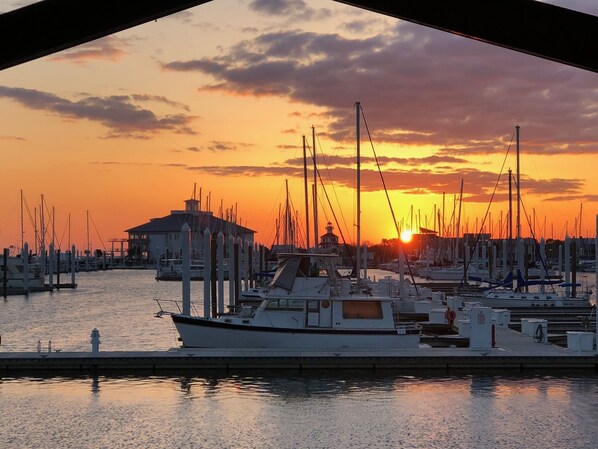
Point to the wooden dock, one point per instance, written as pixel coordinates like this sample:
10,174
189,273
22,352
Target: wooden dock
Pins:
514,352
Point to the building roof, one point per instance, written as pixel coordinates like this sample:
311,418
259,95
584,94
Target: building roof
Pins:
197,222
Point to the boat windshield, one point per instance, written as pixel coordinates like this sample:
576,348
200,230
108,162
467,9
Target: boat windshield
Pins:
294,266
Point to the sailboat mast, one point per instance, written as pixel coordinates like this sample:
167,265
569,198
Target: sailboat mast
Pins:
518,189
22,232
358,253
306,195
315,188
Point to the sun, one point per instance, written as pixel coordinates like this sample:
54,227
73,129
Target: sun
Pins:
406,236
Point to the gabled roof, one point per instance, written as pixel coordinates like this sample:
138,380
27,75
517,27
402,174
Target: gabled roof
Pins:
197,223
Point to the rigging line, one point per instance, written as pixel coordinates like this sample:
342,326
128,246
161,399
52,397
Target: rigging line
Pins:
536,244
98,233
332,183
477,241
349,252
338,226
394,219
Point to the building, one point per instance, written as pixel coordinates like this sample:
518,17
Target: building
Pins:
161,237
329,241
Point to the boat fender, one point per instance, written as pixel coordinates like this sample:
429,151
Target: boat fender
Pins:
450,316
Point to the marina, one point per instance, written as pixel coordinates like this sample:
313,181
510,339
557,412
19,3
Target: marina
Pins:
134,341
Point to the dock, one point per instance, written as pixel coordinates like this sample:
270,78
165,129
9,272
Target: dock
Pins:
514,352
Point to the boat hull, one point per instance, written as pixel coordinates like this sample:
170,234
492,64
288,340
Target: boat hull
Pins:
199,332
502,302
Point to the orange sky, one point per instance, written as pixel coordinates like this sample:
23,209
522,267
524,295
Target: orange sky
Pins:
219,97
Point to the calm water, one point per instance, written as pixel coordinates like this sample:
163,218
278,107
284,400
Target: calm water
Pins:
344,409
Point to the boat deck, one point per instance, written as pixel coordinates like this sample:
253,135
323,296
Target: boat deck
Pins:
514,352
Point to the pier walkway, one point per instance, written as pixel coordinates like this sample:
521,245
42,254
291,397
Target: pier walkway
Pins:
514,352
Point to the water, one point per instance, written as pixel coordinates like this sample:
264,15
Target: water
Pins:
284,409
320,410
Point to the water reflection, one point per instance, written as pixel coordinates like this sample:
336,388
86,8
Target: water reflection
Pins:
304,410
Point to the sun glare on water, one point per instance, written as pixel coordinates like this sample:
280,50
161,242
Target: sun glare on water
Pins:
406,236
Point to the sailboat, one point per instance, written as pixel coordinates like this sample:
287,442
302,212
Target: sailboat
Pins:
510,292
308,305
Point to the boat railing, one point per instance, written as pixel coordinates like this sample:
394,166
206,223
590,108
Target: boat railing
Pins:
172,306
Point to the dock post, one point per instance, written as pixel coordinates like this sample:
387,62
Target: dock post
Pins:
567,266
5,273
239,270
220,265
207,270
504,258
365,261
73,264
51,260
186,273
25,258
95,340
543,272
58,269
231,270
246,264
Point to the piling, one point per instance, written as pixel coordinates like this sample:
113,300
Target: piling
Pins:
207,270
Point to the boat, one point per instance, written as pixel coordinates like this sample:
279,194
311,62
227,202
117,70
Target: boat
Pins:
512,298
12,272
308,306
172,270
513,291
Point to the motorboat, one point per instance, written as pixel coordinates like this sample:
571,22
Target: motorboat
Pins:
308,305
172,269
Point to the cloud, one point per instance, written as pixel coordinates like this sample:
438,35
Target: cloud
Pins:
293,10
479,185
110,48
417,86
122,115
15,138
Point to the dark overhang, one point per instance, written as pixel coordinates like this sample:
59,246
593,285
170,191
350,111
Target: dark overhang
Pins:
527,26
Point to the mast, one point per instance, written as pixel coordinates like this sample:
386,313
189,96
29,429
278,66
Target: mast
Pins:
306,196
518,189
358,256
510,223
22,232
458,228
315,187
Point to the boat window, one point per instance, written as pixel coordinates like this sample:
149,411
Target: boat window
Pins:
312,305
272,304
286,273
285,304
296,304
362,310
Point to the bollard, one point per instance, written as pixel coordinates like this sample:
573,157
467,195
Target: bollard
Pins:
95,340
39,346
49,345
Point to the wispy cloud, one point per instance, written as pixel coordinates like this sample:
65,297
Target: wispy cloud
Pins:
110,48
122,115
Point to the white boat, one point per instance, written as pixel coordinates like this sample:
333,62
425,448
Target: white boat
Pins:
305,308
172,270
14,273
510,299
308,305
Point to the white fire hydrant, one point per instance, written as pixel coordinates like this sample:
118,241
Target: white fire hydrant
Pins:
95,340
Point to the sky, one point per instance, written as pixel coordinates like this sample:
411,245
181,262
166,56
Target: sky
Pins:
216,99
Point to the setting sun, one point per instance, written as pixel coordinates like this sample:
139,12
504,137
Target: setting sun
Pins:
406,236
